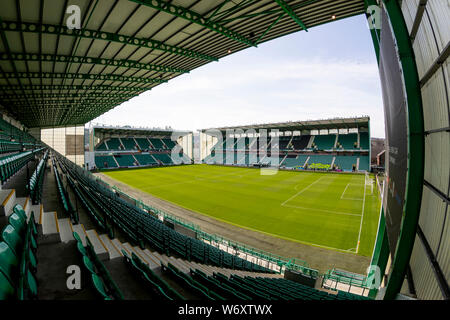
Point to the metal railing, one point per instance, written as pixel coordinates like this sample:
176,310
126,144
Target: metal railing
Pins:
335,279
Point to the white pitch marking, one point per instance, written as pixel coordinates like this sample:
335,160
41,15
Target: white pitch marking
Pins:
347,198
342,195
327,211
303,190
362,219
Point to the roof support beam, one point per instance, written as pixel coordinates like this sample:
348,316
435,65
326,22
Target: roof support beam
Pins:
270,27
232,10
418,19
100,35
59,96
90,60
79,76
8,50
291,13
194,17
73,87
69,103
64,103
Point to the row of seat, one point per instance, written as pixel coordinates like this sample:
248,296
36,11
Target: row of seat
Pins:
222,289
149,278
191,284
9,146
36,180
64,197
135,144
10,131
98,274
18,264
11,164
89,208
140,226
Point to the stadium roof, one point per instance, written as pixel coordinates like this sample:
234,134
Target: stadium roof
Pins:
338,123
51,75
134,131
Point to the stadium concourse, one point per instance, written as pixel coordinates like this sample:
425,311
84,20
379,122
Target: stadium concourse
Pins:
66,234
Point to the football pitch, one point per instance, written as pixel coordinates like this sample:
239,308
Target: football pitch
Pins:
333,211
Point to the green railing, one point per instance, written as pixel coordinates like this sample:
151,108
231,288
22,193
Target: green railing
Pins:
346,278
278,262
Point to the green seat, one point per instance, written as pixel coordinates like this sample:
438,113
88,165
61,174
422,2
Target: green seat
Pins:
28,260
81,249
89,265
32,284
18,223
20,211
32,239
6,289
125,254
77,237
27,287
99,286
32,224
12,238
8,261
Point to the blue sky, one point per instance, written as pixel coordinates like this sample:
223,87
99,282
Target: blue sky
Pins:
328,72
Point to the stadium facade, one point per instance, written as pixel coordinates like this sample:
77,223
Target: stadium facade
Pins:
57,77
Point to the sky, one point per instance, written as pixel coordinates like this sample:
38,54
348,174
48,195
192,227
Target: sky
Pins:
328,72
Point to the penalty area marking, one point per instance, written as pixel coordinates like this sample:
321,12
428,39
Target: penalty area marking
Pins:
348,198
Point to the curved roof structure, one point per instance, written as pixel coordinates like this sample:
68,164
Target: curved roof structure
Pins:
52,74
337,123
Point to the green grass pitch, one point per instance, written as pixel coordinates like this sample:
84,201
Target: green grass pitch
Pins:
334,211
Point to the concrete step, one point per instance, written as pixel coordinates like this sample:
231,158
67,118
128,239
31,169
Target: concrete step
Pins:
152,257
186,264
25,203
49,223
113,251
162,258
151,262
65,230
8,201
97,243
143,257
79,229
37,212
119,245
129,248
177,264
50,227
201,268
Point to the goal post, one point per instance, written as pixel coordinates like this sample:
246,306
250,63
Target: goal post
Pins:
368,182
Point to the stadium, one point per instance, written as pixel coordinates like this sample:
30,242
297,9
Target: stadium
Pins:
288,211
